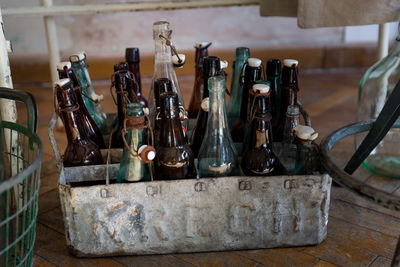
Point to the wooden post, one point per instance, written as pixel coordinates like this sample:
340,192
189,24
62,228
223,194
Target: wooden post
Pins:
8,109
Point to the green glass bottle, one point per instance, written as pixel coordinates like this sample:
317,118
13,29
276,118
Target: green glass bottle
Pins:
235,101
307,158
375,88
92,100
274,76
217,155
252,72
137,156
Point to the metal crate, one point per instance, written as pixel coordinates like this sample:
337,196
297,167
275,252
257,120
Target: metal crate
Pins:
193,215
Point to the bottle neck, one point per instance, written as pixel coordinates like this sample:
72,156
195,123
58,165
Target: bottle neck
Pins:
289,77
162,52
200,54
217,121
134,67
82,73
251,75
63,74
120,99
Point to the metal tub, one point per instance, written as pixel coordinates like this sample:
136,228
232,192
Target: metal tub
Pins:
193,215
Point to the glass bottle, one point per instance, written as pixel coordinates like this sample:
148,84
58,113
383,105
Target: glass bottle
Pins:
217,155
258,157
288,94
91,99
274,77
287,153
163,68
235,101
161,85
65,71
121,83
137,155
132,57
80,151
374,89
174,159
211,67
195,100
252,72
307,152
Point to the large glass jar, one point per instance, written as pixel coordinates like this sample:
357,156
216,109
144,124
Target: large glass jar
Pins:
374,89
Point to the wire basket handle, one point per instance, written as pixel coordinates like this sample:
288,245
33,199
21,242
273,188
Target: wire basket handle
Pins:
28,100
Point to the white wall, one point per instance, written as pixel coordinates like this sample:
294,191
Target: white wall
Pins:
106,35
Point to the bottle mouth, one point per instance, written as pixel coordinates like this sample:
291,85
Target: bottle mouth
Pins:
242,52
161,28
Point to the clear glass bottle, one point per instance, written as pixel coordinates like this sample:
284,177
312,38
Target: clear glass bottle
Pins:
235,101
288,95
163,68
91,99
132,57
307,152
174,159
375,87
217,155
137,155
195,100
251,73
274,77
211,67
80,151
287,153
65,71
258,157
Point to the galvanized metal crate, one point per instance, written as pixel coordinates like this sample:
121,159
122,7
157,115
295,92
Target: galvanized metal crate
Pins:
192,215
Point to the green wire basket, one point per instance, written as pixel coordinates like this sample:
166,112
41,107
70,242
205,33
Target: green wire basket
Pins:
21,155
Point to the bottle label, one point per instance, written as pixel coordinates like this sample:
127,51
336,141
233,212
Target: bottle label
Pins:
205,104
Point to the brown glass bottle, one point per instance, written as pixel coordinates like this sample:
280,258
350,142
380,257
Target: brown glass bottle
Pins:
174,159
252,73
120,83
65,71
195,101
81,150
211,67
258,158
161,85
132,57
288,93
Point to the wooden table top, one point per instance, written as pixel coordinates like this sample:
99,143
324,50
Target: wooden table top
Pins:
360,233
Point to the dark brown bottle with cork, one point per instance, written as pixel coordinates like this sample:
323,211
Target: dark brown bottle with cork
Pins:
65,71
259,158
195,100
132,57
124,94
174,159
81,150
288,95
